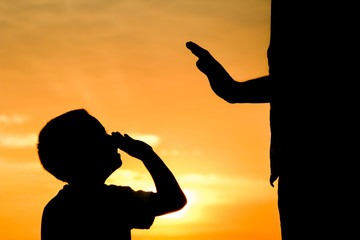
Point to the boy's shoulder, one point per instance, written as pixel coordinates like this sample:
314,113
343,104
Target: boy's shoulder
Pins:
106,193
93,205
126,192
109,198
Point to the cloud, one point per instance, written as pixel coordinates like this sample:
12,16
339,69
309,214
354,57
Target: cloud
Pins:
177,152
134,179
18,140
13,119
152,140
11,140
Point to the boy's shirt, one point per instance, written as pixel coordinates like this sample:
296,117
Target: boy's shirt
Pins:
106,212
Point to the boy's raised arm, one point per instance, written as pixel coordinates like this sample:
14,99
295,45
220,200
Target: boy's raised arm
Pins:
252,91
169,196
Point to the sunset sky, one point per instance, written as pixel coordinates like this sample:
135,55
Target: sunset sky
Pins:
125,61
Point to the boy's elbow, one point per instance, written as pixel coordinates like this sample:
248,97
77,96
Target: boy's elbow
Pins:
181,203
169,205
177,204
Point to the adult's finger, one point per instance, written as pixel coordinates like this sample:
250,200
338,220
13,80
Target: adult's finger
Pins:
197,50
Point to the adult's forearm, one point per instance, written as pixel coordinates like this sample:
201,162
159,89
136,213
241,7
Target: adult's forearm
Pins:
252,91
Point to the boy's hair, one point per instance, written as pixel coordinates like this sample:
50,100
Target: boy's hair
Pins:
66,144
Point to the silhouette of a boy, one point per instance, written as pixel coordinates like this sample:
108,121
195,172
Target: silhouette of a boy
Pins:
75,148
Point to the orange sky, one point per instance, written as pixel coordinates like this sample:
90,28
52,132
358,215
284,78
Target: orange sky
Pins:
126,63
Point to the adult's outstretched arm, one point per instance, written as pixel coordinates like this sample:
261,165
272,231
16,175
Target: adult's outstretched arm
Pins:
252,91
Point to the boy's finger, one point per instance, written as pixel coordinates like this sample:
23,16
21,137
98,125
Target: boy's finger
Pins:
118,139
197,50
117,134
127,136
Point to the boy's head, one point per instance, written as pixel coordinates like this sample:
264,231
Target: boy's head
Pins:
74,147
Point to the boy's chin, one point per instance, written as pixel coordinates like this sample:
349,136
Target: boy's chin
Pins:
111,170
116,164
111,166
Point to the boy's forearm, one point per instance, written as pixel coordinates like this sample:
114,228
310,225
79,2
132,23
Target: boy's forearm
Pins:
164,180
171,197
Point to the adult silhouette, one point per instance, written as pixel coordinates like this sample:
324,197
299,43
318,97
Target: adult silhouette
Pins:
307,58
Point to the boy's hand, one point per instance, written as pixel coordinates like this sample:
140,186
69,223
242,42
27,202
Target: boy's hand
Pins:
134,148
169,196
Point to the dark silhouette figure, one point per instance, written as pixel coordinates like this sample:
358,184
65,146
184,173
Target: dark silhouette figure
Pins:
308,58
75,148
